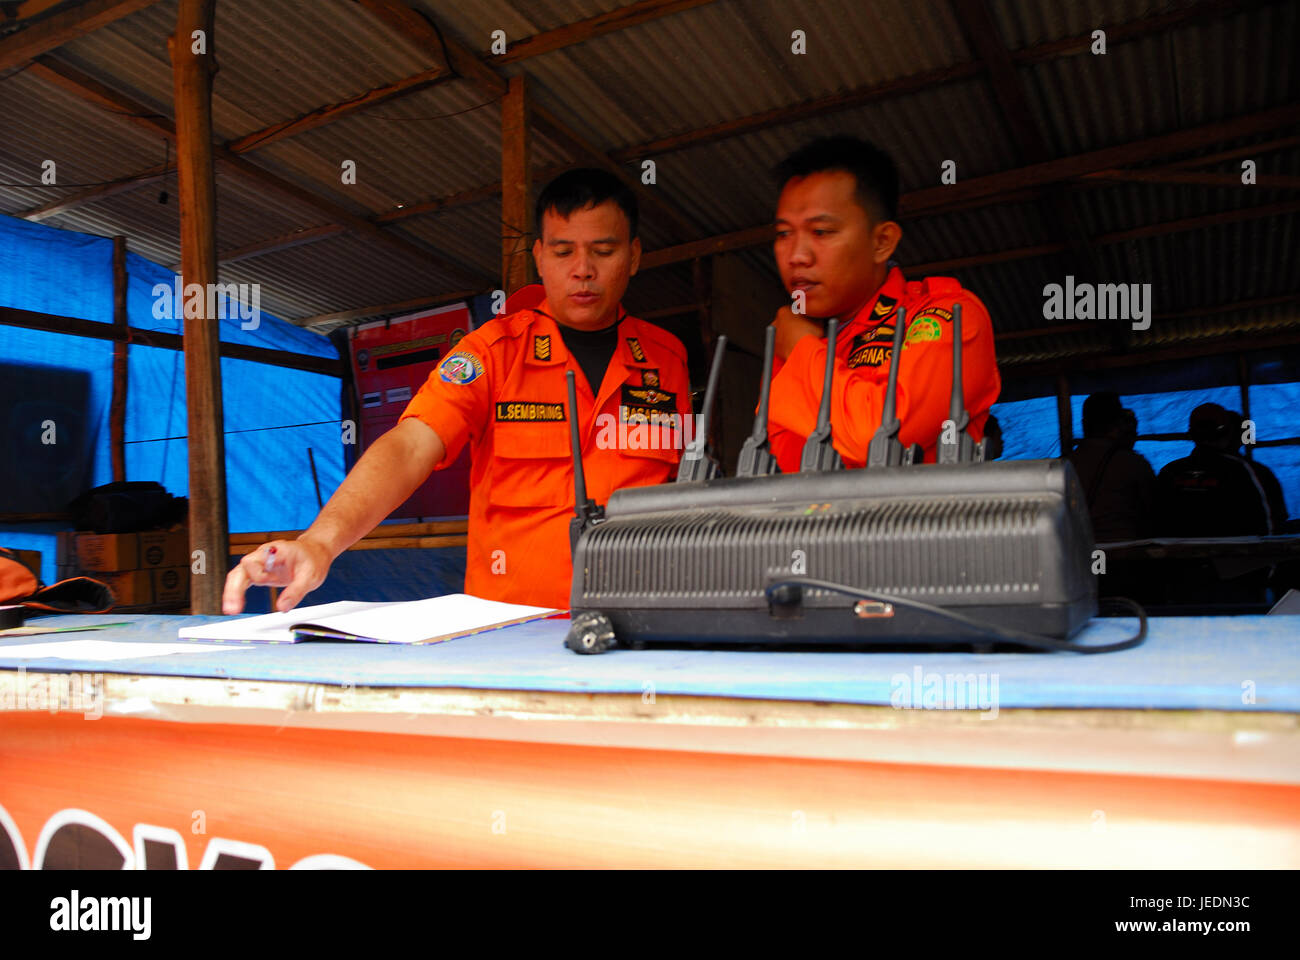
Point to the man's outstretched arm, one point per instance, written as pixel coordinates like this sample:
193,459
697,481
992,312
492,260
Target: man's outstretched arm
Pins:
389,472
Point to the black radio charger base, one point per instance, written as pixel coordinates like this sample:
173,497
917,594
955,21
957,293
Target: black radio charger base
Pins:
900,553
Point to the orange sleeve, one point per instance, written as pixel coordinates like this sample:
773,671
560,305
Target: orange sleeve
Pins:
925,373
924,383
456,399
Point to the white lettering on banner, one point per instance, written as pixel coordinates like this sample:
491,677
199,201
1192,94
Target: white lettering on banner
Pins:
220,854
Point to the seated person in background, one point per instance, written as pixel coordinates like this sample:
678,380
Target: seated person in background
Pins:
1214,491
503,391
1118,484
836,233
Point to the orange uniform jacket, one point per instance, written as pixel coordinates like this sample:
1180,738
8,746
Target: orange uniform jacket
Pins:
862,372
503,390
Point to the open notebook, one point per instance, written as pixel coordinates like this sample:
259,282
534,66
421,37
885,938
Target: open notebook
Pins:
415,621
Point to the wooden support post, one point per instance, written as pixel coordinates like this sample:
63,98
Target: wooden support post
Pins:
516,217
1064,414
117,406
193,63
1243,380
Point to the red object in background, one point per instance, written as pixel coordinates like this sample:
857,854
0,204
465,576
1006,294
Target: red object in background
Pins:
525,298
390,361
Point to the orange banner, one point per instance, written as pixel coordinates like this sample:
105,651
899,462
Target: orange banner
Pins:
78,792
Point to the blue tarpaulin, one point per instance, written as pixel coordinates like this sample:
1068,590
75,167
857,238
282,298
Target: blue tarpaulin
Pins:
1162,402
273,415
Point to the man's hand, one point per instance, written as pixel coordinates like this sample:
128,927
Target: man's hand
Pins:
389,472
791,328
298,565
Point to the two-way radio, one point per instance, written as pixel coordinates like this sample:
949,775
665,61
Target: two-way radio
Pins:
899,552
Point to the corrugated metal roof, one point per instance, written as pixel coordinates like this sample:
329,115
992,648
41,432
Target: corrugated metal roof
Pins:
40,122
709,64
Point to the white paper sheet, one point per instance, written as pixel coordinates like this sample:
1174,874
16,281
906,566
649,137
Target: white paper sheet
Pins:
274,627
390,622
105,649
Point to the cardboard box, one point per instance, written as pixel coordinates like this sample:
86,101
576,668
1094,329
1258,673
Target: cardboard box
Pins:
171,584
164,548
160,585
130,587
104,552
114,552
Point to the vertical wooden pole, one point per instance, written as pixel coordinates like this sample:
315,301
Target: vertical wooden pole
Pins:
1243,379
1064,414
193,63
117,406
516,212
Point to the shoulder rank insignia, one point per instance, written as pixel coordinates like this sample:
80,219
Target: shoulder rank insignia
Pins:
542,347
635,346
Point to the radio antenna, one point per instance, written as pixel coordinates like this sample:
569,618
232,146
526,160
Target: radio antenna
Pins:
960,448
586,511
885,449
819,452
698,462
756,458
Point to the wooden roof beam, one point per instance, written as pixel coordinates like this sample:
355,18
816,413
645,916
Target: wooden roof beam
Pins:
93,91
311,120
330,112
1009,93
95,330
61,27
1081,43
414,25
583,30
1016,182
1165,175
1079,164
401,306
901,86
1182,225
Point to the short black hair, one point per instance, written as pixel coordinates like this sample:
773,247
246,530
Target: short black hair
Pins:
1101,411
873,169
582,188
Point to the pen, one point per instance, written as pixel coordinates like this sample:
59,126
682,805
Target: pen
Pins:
270,559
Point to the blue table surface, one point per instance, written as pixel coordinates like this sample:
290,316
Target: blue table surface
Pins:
1208,663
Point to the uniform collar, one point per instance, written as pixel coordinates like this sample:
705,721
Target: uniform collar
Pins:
883,304
632,348
546,341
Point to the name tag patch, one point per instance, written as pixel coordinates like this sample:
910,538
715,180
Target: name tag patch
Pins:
529,411
872,348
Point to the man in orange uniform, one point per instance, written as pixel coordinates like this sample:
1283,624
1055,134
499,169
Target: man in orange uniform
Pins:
836,233
503,391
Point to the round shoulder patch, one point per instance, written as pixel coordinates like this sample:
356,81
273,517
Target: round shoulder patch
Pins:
461,367
923,328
